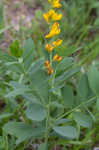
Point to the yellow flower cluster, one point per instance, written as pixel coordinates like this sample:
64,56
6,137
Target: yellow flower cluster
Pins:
55,3
52,16
55,30
49,17
50,47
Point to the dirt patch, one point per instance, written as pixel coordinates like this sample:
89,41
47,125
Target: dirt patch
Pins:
17,12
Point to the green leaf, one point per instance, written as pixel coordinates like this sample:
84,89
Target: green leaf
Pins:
5,115
36,66
56,91
97,104
67,51
15,49
84,92
2,20
82,119
83,87
15,67
96,22
19,89
22,131
39,81
36,112
6,28
66,131
66,75
63,121
17,85
65,63
7,58
38,14
31,97
95,5
1,13
42,146
28,55
93,77
68,97
56,104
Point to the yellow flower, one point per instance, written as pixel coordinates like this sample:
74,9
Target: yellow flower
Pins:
50,71
56,17
48,67
49,47
47,64
57,58
52,16
55,30
48,16
55,3
57,43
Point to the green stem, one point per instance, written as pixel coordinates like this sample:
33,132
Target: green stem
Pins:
47,126
48,111
50,58
67,113
63,142
51,83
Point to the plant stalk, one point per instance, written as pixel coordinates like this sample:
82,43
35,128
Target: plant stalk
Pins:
47,127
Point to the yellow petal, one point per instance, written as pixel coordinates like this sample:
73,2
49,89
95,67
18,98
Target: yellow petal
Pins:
55,30
52,16
50,71
56,4
49,47
46,17
47,64
57,43
56,17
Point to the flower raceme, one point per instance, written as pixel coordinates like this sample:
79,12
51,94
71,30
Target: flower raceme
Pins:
55,3
50,47
55,30
52,16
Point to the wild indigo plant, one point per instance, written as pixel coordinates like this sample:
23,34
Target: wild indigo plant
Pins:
49,98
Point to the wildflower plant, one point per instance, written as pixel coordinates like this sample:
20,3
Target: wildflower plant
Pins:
49,99
52,18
